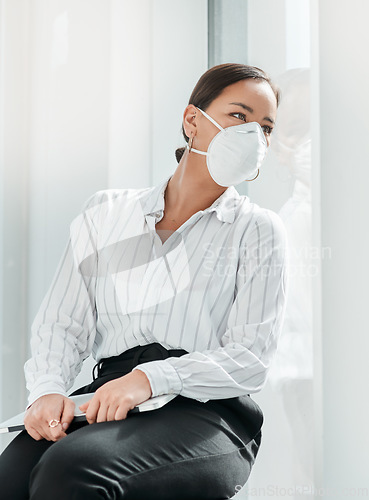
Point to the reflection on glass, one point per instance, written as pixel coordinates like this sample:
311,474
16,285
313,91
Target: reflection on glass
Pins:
291,374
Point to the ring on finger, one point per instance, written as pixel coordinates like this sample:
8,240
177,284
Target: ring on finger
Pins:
54,422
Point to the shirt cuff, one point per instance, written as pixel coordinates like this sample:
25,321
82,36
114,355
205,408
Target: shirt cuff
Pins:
163,377
43,390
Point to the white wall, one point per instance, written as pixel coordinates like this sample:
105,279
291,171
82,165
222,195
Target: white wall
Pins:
130,122
344,147
158,52
317,243
14,154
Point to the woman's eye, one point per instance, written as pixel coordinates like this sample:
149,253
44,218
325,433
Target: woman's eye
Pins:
267,130
241,116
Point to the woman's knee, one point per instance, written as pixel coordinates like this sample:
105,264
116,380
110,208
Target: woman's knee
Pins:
74,468
57,474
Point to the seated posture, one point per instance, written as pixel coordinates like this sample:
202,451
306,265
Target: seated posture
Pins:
180,289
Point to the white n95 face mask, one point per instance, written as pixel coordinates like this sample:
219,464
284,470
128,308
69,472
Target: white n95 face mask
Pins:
235,153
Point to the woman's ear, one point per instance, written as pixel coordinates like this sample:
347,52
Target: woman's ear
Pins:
189,120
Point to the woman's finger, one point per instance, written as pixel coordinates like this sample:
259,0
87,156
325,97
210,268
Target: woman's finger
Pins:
84,406
34,434
56,433
111,412
92,410
102,413
41,426
68,414
34,428
121,413
44,433
52,433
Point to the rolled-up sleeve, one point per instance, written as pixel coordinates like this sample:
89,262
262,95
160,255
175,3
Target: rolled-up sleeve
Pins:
64,328
247,348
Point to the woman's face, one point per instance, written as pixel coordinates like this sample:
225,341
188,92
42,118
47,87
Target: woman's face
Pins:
245,101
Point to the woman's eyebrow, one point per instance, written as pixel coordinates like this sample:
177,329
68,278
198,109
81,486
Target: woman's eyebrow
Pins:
244,106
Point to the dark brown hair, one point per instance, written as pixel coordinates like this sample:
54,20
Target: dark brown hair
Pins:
215,80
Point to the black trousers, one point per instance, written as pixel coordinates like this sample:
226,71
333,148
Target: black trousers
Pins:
184,450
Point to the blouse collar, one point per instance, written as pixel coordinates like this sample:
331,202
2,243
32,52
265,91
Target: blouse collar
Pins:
225,205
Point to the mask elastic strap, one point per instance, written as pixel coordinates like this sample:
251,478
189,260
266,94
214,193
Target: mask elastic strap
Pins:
210,118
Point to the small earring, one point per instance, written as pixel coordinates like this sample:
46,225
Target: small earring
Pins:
190,144
254,177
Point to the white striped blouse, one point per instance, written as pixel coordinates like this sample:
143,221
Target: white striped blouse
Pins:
216,288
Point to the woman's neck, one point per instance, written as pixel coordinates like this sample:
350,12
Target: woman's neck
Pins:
190,188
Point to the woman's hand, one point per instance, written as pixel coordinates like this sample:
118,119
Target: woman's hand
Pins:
113,400
45,409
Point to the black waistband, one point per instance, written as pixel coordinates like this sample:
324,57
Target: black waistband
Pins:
125,362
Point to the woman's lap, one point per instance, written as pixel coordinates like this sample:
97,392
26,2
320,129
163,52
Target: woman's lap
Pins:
183,450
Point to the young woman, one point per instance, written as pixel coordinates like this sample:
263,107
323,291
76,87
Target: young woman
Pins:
175,289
